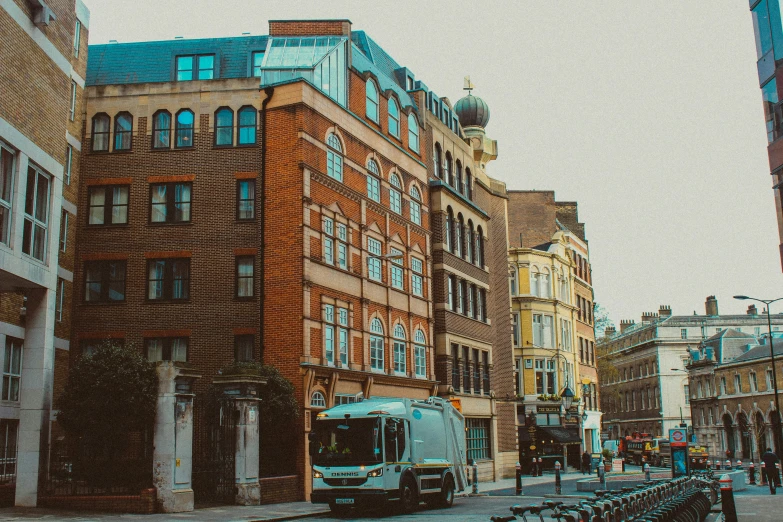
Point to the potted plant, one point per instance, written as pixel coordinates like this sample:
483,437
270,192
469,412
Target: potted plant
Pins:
607,454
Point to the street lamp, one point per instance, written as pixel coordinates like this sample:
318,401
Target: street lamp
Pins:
778,434
682,419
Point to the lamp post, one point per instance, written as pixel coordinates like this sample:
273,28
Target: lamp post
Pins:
682,419
778,433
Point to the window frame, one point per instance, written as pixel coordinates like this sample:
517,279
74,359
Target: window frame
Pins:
373,181
12,373
240,200
108,205
72,115
477,438
181,130
122,133
417,277
35,223
7,181
377,346
158,131
68,164
104,134
400,351
64,230
256,68
104,271
166,347
392,118
170,203
238,338
371,89
238,278
217,128
247,109
334,157
374,259
168,280
77,37
415,205
413,133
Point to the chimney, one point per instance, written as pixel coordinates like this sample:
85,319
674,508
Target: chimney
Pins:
711,306
649,317
625,324
609,331
752,310
664,311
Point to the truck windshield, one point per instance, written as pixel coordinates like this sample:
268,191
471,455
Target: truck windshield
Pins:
347,442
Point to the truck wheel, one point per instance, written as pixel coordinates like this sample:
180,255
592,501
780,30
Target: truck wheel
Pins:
409,497
446,497
339,511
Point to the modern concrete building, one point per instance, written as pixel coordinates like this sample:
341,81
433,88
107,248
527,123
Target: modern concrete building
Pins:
44,57
651,392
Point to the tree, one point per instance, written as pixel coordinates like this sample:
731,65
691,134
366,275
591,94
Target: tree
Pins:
607,370
602,320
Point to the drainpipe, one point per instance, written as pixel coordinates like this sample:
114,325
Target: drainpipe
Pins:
268,91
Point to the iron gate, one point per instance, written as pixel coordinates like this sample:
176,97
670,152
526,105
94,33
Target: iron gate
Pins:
214,448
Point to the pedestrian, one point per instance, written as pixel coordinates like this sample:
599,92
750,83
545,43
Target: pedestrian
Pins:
770,468
586,461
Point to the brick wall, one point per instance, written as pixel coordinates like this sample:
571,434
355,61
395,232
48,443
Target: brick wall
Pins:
275,490
309,27
144,503
532,214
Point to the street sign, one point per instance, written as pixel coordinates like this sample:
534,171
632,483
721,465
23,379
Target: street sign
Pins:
678,437
604,436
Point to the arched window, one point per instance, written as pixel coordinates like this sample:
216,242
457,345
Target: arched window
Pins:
395,194
534,277
543,282
413,133
415,205
420,354
449,170
376,344
247,126
334,158
373,181
100,132
458,181
371,105
184,129
394,118
400,358
513,284
449,229
161,130
123,130
438,162
469,242
224,126
458,236
468,184
565,291
479,247
317,400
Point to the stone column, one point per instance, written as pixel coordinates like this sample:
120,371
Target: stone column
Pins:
173,454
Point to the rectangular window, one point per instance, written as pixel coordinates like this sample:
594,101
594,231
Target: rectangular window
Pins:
396,269
515,329
77,37
420,360
328,242
329,344
754,385
202,67
206,67
58,305
683,333
170,202
258,59
469,301
108,205
243,348
538,330
476,372
417,282
245,276
466,369
68,164
343,340
548,332
477,439
455,366
7,160
376,352
36,210
168,279
373,259
769,380
395,201
12,369
400,356
9,430
485,373
73,101
415,209
246,199
64,231
723,386
687,389
373,188
737,384
167,349
104,281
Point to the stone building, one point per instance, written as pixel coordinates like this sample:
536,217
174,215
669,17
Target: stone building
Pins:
44,57
552,296
651,392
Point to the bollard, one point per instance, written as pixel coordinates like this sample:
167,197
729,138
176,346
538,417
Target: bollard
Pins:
540,467
519,479
728,464
533,470
727,499
739,465
763,474
467,474
623,464
717,464
558,485
602,475
475,477
646,471
752,474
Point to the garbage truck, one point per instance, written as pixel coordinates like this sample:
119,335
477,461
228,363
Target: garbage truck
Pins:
380,449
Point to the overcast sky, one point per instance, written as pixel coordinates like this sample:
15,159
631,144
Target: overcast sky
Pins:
648,113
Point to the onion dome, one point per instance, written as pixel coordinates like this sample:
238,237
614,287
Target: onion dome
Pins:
472,111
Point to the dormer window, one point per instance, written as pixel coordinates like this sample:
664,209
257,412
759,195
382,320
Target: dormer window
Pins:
198,67
371,103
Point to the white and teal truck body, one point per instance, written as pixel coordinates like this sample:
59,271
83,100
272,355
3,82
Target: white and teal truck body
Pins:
382,449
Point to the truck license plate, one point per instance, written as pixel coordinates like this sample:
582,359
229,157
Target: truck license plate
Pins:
344,501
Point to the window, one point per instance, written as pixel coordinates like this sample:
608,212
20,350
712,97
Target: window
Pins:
466,369
245,276
36,214
224,127
687,390
247,126
334,159
565,334
100,132
479,247
542,331
108,205
371,104
258,58
376,345
68,165
469,293
461,297
451,291
9,431
332,238
515,329
373,259
12,369
415,205
485,386
460,225
394,118
458,179
420,354
246,199
754,385
344,398
400,357
73,100
243,348
769,380
468,184
184,129
328,241
534,281
544,288
63,230
77,38
683,333
342,320
723,386
761,28
737,383
170,202
413,133
438,159
123,131
7,158
60,295
482,307
373,181
469,242
104,281
342,246
455,375
328,317
449,230
167,349
395,196
203,65
161,130
417,282
512,279
396,269
476,372
168,279
317,400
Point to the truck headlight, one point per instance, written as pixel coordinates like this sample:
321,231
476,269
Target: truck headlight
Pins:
317,474
375,473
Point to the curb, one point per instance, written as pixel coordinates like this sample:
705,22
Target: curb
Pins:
293,517
566,496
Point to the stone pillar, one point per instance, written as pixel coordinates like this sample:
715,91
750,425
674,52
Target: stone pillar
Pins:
173,454
35,395
246,457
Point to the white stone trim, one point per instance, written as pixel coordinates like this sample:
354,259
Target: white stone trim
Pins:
16,139
64,274
69,207
38,37
12,330
73,141
62,344
75,76
83,14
